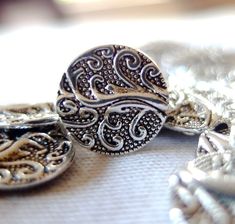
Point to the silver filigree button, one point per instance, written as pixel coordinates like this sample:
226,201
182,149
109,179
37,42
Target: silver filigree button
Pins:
113,99
33,148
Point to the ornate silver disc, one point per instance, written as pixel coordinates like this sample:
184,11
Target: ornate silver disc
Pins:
113,99
30,157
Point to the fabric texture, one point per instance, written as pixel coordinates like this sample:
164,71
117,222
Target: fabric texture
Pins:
100,189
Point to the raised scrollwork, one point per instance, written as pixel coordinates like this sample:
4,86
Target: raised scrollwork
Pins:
124,100
32,158
136,131
132,60
106,51
151,71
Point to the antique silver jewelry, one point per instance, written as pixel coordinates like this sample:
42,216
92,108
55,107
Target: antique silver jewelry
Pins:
34,147
201,84
113,99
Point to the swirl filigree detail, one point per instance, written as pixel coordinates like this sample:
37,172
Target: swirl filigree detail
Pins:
124,100
150,70
132,60
33,158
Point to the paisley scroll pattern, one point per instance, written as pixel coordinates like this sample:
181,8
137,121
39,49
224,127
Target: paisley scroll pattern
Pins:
113,99
32,158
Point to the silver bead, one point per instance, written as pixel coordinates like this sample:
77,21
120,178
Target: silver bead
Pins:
113,99
34,147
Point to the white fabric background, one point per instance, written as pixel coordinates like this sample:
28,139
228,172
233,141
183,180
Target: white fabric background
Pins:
98,189
101,189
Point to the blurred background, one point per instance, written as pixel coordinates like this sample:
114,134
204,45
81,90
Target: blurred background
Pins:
39,39
44,11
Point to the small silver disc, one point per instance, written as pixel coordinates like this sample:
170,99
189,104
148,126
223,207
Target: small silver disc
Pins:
113,99
29,157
